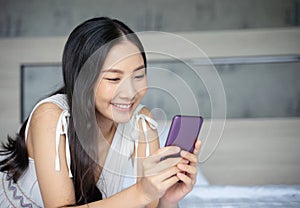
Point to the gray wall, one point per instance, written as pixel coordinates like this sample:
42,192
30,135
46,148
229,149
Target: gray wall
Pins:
253,90
57,17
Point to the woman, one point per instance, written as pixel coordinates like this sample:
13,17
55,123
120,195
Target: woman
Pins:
88,145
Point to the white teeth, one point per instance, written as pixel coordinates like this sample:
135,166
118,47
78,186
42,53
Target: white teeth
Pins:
123,106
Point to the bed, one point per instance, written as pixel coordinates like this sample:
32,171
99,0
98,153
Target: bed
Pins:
255,165
243,196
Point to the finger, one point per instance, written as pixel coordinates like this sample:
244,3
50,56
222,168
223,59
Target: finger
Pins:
165,175
186,154
170,182
189,156
173,161
196,153
184,161
188,169
163,152
163,165
197,147
186,180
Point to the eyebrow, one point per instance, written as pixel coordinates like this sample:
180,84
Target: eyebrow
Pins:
120,71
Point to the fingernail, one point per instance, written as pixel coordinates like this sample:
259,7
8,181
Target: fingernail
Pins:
179,174
183,152
175,149
181,166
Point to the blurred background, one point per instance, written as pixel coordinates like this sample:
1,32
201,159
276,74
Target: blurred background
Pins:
253,44
33,18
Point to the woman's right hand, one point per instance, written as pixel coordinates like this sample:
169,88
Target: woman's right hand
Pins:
159,175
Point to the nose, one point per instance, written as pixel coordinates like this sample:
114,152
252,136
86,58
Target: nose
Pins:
127,90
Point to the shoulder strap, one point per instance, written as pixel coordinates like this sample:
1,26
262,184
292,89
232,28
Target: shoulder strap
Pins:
153,125
59,99
61,128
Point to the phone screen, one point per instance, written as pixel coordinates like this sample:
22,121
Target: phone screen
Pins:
184,132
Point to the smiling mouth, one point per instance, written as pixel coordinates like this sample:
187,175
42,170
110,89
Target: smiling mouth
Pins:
122,107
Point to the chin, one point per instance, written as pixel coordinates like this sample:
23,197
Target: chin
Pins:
122,118
122,115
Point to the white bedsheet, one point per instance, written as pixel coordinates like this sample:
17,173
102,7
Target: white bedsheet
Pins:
243,196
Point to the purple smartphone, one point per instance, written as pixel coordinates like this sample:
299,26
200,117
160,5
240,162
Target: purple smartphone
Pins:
184,132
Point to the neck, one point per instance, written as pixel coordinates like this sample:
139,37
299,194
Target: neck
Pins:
107,128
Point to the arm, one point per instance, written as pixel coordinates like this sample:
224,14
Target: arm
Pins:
187,174
56,187
154,145
153,139
187,170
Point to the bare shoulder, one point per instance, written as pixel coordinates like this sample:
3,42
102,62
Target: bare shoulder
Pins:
152,135
145,111
42,126
45,114
48,110
42,136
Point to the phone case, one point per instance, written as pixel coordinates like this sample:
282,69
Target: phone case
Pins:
184,132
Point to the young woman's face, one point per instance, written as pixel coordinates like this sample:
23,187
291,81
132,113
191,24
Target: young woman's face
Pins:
122,83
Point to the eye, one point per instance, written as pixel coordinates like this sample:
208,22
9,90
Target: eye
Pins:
113,79
139,76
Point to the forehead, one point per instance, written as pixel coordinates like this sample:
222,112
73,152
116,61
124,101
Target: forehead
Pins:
123,53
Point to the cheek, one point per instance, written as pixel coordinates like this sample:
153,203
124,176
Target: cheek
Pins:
142,88
104,92
142,92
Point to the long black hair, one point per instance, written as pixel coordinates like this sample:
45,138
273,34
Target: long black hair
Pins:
88,42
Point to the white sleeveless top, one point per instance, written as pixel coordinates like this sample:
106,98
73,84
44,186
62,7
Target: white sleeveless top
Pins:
118,172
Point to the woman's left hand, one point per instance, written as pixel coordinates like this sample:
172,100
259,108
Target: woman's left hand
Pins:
187,175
